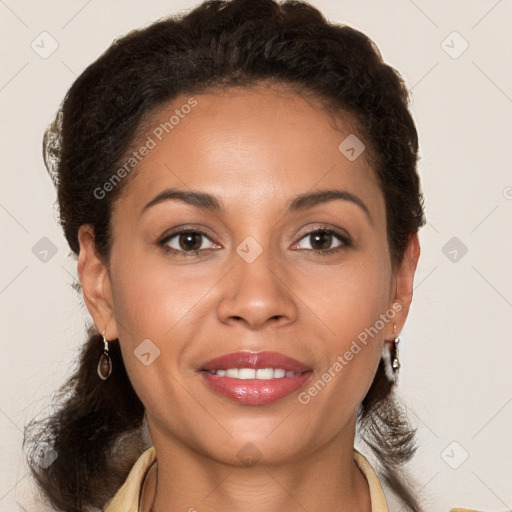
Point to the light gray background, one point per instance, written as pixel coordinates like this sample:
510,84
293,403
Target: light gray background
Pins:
456,348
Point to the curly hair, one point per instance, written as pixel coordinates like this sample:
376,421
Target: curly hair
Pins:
96,429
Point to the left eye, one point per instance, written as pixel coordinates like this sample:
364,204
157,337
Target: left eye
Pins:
189,241
321,240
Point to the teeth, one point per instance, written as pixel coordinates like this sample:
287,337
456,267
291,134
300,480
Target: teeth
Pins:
279,373
265,373
247,373
251,373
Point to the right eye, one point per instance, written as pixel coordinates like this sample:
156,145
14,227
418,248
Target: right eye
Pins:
187,242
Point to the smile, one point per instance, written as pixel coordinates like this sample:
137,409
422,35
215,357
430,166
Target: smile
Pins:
255,378
251,373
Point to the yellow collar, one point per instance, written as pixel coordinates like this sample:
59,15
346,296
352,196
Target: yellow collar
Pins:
127,498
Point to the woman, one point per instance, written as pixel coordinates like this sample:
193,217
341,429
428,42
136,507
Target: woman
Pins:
240,187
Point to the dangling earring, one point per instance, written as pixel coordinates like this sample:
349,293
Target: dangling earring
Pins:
105,363
395,362
391,360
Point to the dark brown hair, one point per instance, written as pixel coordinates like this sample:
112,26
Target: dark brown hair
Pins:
96,428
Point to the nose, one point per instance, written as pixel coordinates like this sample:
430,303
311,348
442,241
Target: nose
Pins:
257,295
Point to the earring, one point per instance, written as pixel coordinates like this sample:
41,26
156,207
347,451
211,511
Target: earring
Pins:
105,363
391,360
395,362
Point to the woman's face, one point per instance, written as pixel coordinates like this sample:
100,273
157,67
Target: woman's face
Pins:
269,262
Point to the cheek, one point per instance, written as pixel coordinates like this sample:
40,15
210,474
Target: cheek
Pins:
168,309
150,306
353,303
348,298
151,299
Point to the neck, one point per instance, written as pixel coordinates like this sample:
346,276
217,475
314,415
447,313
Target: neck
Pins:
330,480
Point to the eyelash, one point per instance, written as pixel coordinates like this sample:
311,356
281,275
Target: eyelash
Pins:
175,252
341,236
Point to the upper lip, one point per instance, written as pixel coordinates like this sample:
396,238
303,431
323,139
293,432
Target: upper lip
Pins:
256,360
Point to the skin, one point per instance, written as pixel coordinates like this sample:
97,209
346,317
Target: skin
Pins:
254,150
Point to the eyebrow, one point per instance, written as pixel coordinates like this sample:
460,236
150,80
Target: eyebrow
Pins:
202,200
309,200
301,202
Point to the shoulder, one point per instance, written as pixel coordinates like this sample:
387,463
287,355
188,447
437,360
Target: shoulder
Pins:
378,499
127,498
377,494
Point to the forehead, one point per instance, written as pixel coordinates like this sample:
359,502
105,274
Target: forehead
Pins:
257,145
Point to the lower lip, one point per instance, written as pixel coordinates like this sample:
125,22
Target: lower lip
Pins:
255,391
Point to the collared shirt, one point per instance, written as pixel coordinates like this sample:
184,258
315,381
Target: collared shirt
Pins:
128,497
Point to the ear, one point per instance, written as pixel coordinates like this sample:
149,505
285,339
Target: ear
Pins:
404,281
95,281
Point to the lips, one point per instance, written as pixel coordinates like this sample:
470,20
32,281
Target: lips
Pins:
255,378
